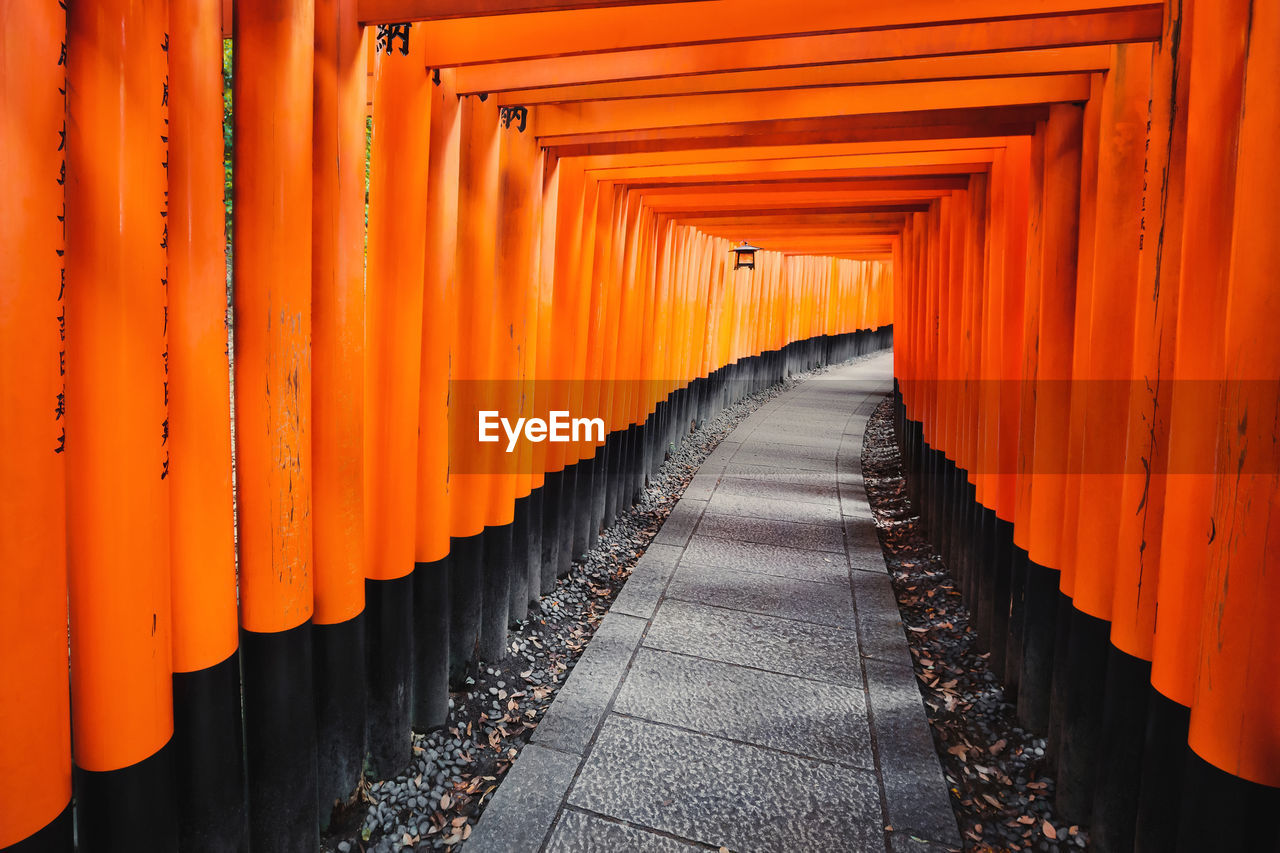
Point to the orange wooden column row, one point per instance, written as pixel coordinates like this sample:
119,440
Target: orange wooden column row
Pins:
117,438
273,92
35,713
1235,721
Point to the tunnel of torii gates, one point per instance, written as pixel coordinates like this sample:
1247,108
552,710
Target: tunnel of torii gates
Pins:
1062,214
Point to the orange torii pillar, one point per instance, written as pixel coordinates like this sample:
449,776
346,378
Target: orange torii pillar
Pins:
620,295
1058,246
611,326
1014,213
274,43
1022,419
588,477
1141,514
567,182
337,402
543,388
530,466
1106,386
575,494
208,742
393,360
434,620
117,437
1080,353
518,204
1217,35
1232,788
480,595
35,712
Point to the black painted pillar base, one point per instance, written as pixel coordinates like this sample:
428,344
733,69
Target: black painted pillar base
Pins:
551,488
1019,568
1083,701
466,598
280,742
389,671
1002,577
1164,763
1124,725
338,657
533,546
1061,683
1223,813
584,507
111,806
56,836
431,637
982,567
569,498
612,477
518,597
208,758
1039,620
599,485
497,579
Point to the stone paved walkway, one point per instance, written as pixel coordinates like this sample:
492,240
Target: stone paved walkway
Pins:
751,686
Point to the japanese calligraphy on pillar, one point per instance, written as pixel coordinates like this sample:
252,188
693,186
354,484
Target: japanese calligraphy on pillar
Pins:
164,244
60,406
389,34
1146,177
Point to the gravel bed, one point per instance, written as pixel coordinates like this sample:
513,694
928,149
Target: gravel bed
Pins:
435,803
995,770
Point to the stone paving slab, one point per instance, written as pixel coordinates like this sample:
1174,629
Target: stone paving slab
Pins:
573,717
775,473
794,458
640,595
771,531
814,719
826,494
719,792
751,686
754,640
679,525
580,832
756,506
817,566
914,786
880,631
526,803
803,601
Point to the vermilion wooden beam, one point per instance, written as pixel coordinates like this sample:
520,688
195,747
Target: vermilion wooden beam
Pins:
810,177
873,218
895,127
787,153
784,200
703,110
961,66
590,31
388,11
727,189
810,50
867,165
842,209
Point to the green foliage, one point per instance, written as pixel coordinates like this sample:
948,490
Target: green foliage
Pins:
227,140
368,157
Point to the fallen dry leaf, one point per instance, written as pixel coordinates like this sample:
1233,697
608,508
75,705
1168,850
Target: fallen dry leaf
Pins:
1049,831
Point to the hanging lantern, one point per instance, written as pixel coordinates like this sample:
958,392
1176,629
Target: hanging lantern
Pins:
744,256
